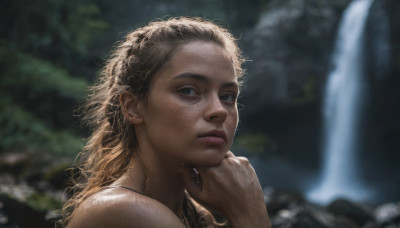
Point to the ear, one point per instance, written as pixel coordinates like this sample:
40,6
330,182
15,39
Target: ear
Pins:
131,107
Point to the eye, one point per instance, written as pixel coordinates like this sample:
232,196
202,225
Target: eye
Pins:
229,98
187,91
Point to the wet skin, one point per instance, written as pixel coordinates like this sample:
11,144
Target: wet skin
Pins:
191,113
190,116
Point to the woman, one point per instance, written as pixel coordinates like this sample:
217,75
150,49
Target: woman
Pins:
164,115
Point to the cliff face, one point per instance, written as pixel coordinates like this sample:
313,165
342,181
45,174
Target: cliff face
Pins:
290,50
291,47
381,131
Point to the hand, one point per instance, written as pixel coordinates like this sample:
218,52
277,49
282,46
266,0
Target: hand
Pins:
231,188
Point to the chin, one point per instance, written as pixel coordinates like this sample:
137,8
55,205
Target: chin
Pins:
210,158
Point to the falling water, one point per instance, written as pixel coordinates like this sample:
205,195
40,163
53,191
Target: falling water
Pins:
341,106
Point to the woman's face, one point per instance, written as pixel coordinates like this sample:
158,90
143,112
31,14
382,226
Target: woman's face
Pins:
191,112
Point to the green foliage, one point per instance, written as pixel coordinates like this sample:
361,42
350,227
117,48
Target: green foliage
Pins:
211,9
56,27
19,69
19,129
256,143
83,24
55,171
43,202
46,40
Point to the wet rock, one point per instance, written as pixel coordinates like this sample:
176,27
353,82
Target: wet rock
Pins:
388,215
292,210
22,205
14,163
10,187
280,200
308,218
14,213
290,47
357,213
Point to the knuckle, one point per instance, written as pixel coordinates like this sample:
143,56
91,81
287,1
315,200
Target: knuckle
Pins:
230,154
229,160
244,160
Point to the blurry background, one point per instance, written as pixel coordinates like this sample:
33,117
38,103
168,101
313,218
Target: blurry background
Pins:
51,50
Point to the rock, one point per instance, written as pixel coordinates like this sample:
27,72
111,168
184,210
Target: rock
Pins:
307,219
292,210
14,213
290,48
14,163
280,200
388,214
309,216
21,205
357,213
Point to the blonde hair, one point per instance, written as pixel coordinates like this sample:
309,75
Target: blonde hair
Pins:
131,67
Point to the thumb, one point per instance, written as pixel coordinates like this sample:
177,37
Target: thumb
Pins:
194,189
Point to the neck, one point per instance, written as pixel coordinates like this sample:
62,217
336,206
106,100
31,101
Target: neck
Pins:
156,178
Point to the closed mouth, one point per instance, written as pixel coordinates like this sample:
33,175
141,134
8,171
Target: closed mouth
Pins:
214,133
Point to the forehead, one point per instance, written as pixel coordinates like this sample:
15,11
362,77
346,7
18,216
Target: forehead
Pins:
203,58
202,50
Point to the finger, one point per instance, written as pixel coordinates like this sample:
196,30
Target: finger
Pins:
193,188
229,154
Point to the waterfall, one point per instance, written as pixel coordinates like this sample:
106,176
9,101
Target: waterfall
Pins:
343,93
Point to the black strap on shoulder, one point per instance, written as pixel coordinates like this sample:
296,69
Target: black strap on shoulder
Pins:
121,186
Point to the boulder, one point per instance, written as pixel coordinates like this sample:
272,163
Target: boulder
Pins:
355,212
14,163
388,215
14,213
281,200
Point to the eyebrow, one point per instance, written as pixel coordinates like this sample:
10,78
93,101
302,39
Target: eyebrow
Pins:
202,78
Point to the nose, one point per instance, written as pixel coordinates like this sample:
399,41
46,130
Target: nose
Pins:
215,110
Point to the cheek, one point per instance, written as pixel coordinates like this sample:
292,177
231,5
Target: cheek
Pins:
172,117
231,125
178,113
234,120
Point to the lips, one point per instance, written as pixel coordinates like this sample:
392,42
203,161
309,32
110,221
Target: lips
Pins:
214,137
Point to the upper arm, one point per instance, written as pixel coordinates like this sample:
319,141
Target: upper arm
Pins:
124,212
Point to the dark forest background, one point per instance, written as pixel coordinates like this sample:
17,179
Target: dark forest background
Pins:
52,50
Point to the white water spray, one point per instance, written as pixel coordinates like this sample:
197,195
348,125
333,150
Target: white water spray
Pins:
341,106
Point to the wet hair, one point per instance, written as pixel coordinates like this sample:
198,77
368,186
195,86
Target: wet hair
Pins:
131,67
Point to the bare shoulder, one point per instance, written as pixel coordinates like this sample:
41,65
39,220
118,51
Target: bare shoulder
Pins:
122,208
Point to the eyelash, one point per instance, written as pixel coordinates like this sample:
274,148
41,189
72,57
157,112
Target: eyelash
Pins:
186,89
231,101
192,92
